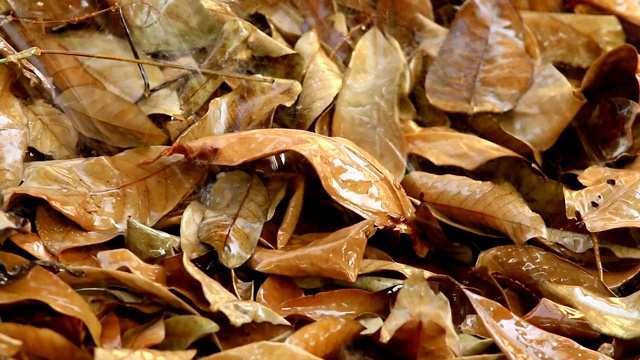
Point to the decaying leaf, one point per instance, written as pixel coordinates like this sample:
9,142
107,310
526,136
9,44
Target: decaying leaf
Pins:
56,135
366,110
484,63
101,194
264,350
478,203
237,209
182,331
560,319
326,337
14,134
142,354
42,342
519,339
417,315
351,176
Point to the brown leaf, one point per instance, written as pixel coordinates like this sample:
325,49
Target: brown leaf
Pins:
628,10
11,224
292,214
608,201
220,299
111,331
59,233
42,342
32,244
105,116
368,266
613,74
536,269
148,243
545,110
181,331
9,346
56,135
236,211
477,203
265,350
366,110
520,340
119,258
335,256
276,290
561,320
145,335
343,303
14,133
43,286
326,337
322,81
351,176
100,194
423,320
246,107
484,64
142,354
573,39
446,147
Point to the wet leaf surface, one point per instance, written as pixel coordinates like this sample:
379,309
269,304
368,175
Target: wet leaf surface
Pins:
342,179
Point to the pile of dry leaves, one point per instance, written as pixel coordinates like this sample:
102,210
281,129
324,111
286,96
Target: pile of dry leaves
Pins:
304,179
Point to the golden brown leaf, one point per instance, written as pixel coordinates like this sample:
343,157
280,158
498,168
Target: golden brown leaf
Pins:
446,147
181,331
335,256
220,299
351,176
43,286
14,133
421,319
560,319
483,64
366,110
148,243
628,10
123,258
292,214
100,194
145,335
42,343
142,354
343,303
326,337
477,203
236,211
276,290
520,340
32,244
265,350
55,134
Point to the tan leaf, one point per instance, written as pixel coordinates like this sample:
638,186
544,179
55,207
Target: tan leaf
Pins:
119,258
9,346
520,340
368,266
559,319
265,350
326,337
335,256
181,331
101,194
446,147
142,354
105,116
148,243
423,320
351,176
292,214
248,106
276,290
628,10
220,299
53,132
11,224
477,203
321,84
14,133
366,110
484,64
237,210
609,200
42,342
145,335
41,285
32,244
342,303
573,39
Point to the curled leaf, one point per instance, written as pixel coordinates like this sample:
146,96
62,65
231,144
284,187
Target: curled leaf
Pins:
326,337
264,350
351,176
14,134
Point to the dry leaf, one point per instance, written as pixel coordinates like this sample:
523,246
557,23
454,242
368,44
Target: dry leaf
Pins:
477,203
101,194
236,211
343,303
119,258
144,336
351,176
366,110
147,243
181,331
484,64
521,340
265,350
422,319
41,342
142,354
276,290
628,10
54,132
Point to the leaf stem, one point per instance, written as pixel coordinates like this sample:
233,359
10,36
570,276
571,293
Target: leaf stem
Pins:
34,51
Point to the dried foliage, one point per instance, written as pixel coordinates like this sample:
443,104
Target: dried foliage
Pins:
345,179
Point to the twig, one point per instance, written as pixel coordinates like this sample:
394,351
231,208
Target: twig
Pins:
596,251
34,51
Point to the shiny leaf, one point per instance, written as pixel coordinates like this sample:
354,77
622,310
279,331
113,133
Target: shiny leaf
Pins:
14,134
263,350
478,203
326,337
484,64
344,303
56,135
182,331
